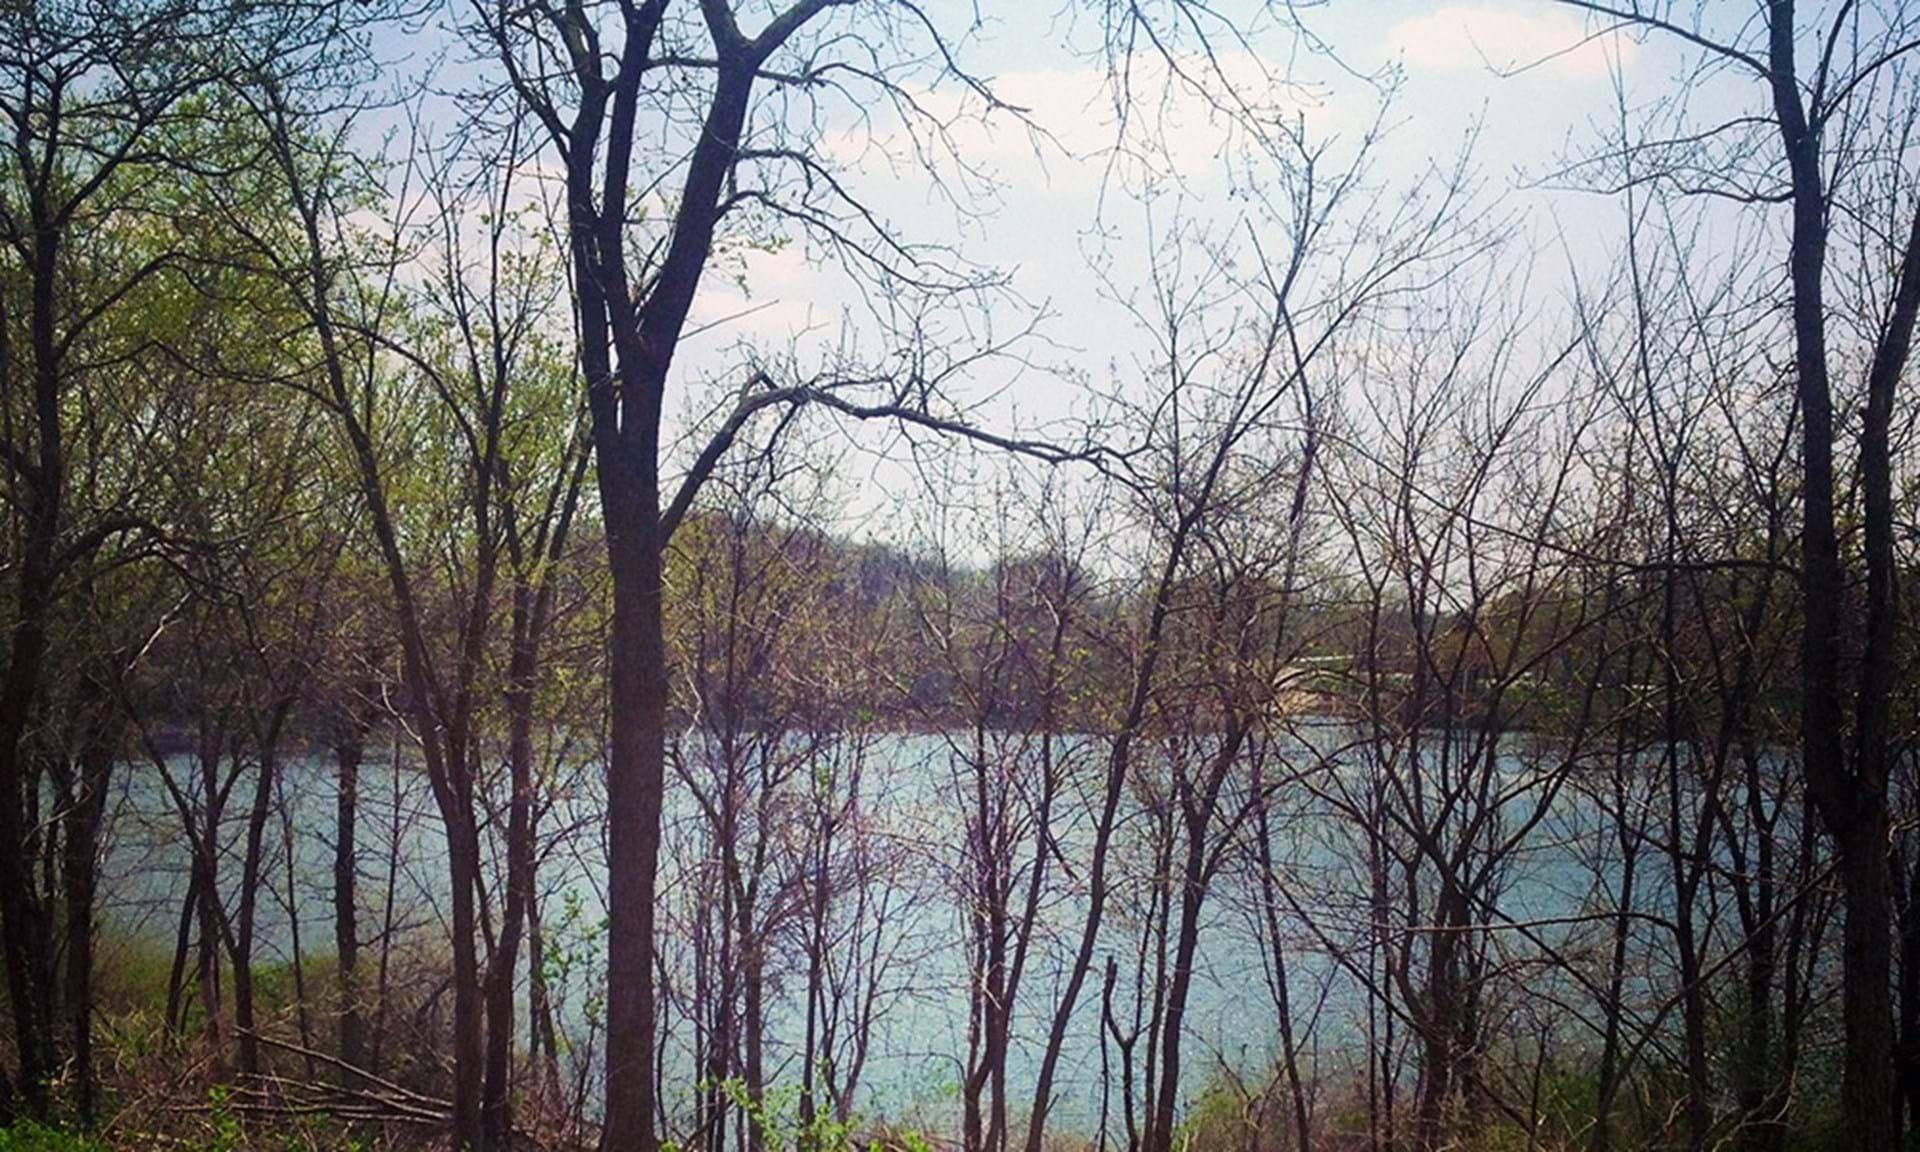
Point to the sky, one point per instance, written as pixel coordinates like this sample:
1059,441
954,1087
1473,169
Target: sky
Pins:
1061,208
1070,226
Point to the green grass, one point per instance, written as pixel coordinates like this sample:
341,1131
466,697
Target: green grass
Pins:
27,1136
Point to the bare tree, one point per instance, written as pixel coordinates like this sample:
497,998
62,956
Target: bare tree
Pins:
1828,87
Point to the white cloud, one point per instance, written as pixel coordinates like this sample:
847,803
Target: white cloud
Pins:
764,296
1068,133
1502,37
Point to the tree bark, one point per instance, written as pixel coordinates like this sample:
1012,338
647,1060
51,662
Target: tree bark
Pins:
349,752
81,825
22,922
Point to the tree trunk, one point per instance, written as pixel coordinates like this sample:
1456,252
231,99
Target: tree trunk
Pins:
250,880
348,754
80,872
1851,799
635,780
22,924
463,855
1868,1100
1186,948
520,836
